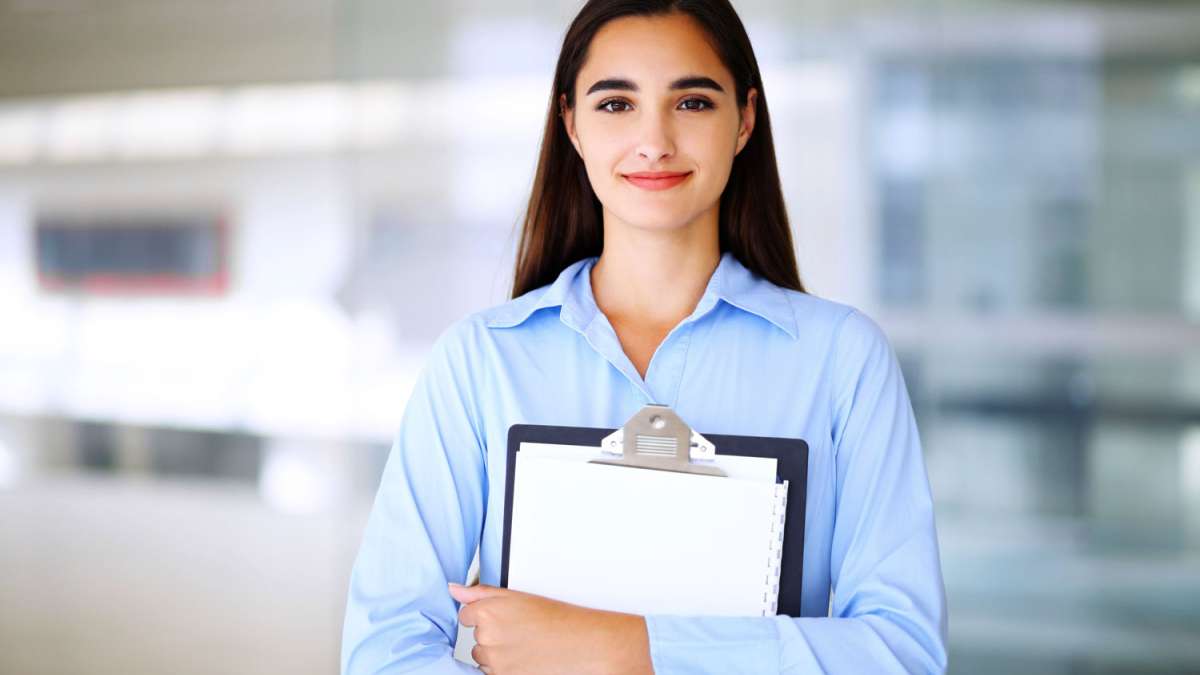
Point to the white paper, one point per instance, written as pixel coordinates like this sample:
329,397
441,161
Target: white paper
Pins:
639,540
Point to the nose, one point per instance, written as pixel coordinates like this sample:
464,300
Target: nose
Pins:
655,137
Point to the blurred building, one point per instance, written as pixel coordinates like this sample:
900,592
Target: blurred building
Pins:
229,233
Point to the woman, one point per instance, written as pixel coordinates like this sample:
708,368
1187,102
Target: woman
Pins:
655,265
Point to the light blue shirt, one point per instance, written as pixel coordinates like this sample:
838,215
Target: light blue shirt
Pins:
751,359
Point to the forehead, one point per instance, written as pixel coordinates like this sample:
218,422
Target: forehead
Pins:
651,51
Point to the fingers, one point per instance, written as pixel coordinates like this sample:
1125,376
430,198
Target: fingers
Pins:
466,616
479,653
459,592
472,614
472,593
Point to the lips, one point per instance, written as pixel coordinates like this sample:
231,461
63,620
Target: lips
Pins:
657,180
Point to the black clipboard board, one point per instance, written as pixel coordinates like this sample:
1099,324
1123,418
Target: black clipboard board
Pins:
790,453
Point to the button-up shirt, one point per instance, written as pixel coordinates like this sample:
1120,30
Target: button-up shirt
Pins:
751,359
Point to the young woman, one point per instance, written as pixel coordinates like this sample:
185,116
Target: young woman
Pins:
656,265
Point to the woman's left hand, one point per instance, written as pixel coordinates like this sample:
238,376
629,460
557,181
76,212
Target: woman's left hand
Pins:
523,633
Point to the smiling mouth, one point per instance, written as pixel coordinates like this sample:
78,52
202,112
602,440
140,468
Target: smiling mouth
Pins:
660,181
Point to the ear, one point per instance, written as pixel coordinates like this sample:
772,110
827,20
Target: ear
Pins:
747,116
568,118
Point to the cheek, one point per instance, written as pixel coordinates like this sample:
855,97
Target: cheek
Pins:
712,153
602,157
715,140
602,150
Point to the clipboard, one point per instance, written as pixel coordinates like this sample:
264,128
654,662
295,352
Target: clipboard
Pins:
661,441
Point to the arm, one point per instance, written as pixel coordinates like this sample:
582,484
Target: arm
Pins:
888,611
423,529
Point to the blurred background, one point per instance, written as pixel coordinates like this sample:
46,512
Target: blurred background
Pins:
230,231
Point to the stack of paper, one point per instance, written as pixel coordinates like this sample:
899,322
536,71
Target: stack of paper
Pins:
646,541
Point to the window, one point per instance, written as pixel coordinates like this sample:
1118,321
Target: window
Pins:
133,253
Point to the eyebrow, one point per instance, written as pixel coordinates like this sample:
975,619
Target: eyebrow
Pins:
686,82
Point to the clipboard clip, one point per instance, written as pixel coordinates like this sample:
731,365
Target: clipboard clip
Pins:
662,441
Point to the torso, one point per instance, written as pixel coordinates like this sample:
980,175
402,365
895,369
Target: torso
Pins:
727,371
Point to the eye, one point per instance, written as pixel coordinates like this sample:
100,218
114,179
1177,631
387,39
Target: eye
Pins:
604,105
704,105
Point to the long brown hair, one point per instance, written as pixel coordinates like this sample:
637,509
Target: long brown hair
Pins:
564,222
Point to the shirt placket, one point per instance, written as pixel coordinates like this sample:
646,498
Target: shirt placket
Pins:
664,373
601,336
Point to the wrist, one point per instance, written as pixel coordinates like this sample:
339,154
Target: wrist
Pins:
632,645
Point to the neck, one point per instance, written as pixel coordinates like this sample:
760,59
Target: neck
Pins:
655,277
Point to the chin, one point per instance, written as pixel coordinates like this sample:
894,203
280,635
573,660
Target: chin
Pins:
649,222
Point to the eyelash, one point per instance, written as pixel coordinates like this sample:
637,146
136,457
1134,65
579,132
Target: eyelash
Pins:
604,103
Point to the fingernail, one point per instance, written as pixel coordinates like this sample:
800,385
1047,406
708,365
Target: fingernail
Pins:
454,584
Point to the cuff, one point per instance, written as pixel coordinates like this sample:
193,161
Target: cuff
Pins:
713,644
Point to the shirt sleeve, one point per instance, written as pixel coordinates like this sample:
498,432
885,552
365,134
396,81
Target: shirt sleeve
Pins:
423,528
888,613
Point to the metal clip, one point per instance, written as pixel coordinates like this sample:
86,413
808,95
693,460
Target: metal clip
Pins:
663,441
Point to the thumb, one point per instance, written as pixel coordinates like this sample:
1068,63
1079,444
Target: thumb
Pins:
465,594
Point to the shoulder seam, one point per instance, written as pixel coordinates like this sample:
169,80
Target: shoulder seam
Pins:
837,335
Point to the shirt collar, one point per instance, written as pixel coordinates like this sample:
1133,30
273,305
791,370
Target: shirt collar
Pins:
572,291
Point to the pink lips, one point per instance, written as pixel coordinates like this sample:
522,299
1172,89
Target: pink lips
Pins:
657,180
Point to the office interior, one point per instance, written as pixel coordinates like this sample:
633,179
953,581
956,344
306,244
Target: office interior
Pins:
230,232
